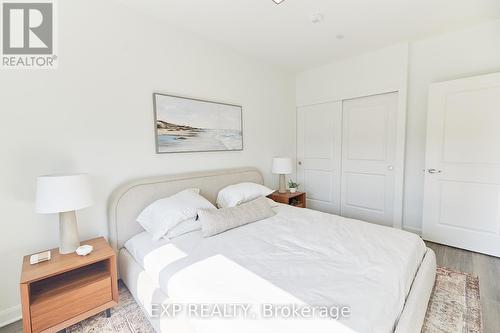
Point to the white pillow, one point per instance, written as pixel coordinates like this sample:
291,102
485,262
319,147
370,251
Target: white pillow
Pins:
234,195
272,203
214,222
183,228
164,214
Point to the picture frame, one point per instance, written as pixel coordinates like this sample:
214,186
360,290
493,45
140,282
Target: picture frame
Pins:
186,125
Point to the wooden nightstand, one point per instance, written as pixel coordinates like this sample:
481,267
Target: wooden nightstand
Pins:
297,199
58,293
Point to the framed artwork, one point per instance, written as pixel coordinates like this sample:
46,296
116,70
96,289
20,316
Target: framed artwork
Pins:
193,125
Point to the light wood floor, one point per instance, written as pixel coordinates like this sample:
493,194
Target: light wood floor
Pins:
486,267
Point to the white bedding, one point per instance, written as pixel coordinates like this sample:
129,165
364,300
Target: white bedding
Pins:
298,256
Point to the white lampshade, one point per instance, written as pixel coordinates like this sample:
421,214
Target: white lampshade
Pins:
282,165
62,193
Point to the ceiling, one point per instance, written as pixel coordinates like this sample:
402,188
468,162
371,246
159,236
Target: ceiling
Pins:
284,34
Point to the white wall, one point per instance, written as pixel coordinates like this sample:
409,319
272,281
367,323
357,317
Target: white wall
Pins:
463,53
94,114
371,73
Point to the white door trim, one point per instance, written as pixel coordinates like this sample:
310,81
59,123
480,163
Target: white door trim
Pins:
400,159
400,148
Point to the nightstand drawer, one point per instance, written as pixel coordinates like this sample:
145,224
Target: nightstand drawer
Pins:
69,295
54,310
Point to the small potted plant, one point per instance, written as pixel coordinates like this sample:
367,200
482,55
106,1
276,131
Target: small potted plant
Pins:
293,186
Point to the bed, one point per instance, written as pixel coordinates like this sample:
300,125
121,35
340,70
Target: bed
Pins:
299,256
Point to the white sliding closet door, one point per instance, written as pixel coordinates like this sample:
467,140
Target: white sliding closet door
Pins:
462,178
319,130
369,128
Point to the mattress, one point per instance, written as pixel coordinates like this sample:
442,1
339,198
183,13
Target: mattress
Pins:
298,256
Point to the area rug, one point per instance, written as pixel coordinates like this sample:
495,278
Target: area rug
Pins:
454,307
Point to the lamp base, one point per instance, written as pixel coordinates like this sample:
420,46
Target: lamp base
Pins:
282,188
68,233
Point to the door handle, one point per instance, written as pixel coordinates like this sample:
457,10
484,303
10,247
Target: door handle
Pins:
299,163
434,171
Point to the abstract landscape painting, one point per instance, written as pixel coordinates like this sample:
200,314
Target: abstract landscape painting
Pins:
190,125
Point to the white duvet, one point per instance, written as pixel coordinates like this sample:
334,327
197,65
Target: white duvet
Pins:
299,256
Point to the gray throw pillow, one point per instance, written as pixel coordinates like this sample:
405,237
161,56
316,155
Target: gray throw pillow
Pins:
215,221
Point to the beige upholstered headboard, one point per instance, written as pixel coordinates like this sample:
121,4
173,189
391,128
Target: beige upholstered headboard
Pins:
127,201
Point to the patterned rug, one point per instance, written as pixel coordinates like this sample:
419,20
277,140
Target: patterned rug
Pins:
454,307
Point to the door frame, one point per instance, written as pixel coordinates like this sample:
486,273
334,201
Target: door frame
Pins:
399,163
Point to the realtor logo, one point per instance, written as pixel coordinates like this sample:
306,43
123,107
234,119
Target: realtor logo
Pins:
28,35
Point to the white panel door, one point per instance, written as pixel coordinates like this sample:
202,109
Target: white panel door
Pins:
368,158
462,181
318,155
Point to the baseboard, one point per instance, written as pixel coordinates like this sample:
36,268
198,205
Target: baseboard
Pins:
10,315
415,230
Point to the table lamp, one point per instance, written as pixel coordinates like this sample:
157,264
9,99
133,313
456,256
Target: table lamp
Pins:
282,166
64,194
